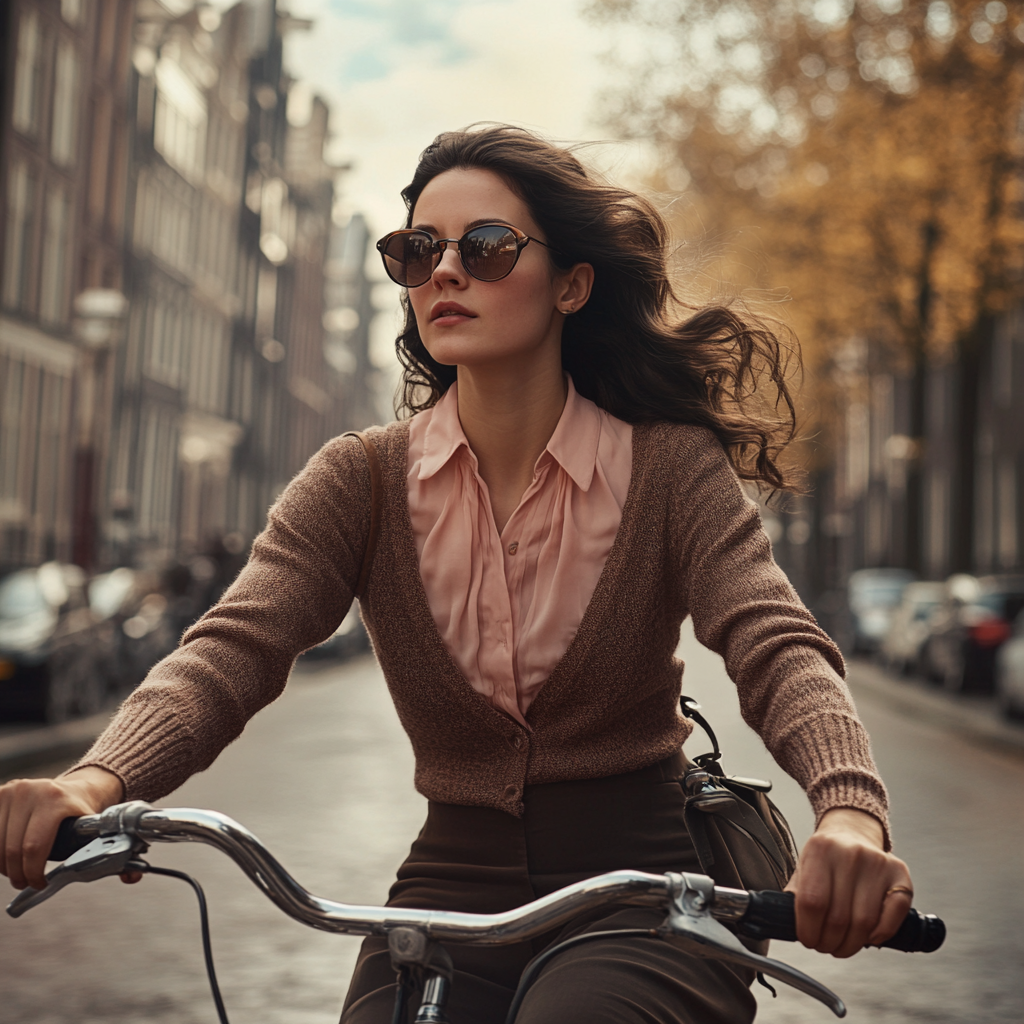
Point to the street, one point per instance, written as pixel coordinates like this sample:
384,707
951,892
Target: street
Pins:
324,778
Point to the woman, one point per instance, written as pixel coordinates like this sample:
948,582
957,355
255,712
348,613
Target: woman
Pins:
565,494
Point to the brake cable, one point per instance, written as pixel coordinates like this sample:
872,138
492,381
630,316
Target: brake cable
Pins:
204,923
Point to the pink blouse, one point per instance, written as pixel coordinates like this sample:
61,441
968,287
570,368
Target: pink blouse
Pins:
508,606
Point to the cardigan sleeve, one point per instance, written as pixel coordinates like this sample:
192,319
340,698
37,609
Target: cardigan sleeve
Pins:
789,674
295,589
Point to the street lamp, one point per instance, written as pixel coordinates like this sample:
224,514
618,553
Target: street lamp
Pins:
99,316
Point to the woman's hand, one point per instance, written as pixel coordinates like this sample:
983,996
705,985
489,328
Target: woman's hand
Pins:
849,892
31,811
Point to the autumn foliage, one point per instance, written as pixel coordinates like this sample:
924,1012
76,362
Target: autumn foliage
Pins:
872,149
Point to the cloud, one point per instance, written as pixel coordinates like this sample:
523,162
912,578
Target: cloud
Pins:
379,37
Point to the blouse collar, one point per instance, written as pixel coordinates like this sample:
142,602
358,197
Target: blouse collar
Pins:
573,444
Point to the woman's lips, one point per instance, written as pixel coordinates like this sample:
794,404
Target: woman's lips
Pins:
449,313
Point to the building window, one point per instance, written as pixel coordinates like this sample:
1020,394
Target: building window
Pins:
158,470
28,73
11,507
1006,534
179,130
72,10
55,247
18,240
65,98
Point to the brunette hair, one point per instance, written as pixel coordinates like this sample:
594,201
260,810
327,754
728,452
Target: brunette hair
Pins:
635,349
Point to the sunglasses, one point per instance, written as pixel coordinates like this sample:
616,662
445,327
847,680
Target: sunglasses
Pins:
489,252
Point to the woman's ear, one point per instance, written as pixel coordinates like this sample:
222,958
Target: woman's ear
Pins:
575,290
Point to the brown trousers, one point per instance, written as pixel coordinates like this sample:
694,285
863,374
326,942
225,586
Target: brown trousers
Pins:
484,861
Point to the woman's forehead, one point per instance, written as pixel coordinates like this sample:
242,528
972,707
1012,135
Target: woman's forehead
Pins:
462,196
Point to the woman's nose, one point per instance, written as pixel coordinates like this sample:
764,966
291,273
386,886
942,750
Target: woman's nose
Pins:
449,266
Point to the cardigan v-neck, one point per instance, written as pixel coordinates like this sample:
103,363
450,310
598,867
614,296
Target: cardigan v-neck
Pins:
689,543
508,604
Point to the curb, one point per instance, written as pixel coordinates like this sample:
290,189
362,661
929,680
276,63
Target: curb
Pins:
43,744
974,718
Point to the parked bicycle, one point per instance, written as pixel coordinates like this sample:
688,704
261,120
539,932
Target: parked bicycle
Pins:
702,917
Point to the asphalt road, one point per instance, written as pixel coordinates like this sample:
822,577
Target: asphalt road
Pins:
324,778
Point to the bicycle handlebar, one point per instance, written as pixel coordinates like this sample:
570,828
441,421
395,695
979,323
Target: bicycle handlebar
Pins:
175,825
756,915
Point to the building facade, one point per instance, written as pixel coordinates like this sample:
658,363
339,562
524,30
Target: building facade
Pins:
149,150
63,159
923,473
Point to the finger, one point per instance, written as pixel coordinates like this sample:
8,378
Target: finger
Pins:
813,895
131,877
840,910
866,896
17,821
40,833
895,907
4,806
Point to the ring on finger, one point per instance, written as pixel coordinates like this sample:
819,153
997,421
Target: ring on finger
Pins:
900,888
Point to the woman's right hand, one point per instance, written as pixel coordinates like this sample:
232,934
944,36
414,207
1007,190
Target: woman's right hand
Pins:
31,811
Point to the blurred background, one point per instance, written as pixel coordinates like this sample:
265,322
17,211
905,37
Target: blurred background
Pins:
191,304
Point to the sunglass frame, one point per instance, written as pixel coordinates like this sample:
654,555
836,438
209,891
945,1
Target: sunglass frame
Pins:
439,245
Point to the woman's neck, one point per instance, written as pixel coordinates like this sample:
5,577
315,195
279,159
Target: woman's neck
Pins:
508,419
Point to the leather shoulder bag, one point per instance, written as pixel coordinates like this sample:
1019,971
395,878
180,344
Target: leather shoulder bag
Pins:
742,839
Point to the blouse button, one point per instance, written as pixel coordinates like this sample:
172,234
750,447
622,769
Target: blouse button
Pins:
511,792
513,547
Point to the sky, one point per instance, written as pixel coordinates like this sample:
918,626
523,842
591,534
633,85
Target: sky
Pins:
398,72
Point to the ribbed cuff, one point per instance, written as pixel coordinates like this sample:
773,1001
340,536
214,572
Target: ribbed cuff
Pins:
148,748
832,761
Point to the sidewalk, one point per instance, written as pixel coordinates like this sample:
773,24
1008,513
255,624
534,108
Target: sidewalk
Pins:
974,718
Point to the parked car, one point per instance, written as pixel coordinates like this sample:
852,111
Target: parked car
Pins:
49,646
135,628
908,629
348,639
1010,672
872,596
968,628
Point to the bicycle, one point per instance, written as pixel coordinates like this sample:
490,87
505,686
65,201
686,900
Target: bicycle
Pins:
704,918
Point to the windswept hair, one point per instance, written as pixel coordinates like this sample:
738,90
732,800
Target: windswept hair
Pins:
635,349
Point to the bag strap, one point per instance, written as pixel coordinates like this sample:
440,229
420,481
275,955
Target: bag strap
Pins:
376,489
691,709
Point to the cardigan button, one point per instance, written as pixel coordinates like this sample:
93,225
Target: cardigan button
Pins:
517,742
511,792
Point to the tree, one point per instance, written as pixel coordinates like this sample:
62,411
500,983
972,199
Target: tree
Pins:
876,144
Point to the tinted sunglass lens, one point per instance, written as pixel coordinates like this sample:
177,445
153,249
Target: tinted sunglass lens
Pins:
408,258
489,253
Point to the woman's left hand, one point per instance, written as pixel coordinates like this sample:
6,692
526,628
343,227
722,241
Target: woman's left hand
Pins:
850,893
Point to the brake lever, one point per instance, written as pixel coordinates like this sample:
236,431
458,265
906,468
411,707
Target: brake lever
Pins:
105,855
691,925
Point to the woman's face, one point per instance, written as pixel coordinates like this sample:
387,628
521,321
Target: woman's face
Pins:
467,322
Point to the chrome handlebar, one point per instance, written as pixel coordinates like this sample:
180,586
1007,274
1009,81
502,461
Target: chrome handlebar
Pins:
695,906
186,824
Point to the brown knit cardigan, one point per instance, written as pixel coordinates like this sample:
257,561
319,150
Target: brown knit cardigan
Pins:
689,542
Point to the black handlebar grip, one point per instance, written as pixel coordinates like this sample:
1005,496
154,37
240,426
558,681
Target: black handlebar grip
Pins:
771,915
68,841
